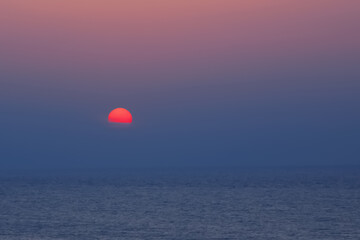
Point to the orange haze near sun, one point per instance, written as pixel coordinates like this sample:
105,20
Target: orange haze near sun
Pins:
120,115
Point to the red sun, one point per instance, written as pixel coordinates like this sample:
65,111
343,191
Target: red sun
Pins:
120,115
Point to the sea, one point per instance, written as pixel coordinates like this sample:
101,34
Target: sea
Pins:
181,203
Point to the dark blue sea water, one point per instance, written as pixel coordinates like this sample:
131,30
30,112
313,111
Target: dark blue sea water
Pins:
262,203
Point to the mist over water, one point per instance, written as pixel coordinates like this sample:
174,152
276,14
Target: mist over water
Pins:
187,203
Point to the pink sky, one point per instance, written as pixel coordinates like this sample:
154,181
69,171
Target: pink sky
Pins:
207,81
113,37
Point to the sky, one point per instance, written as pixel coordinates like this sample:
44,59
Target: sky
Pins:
208,82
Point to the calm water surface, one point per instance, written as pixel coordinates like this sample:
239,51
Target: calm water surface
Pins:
302,203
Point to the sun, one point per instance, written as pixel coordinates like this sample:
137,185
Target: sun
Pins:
120,115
